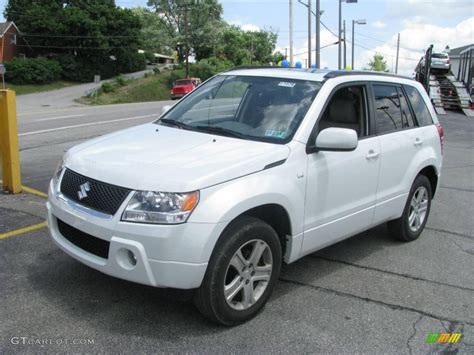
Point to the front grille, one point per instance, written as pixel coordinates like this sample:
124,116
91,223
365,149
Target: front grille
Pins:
87,242
97,195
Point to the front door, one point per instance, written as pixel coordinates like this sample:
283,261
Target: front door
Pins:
341,186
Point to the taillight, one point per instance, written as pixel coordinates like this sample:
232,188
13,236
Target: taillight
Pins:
441,135
448,61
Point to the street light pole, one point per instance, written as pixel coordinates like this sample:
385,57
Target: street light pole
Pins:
339,57
318,34
291,32
355,22
340,29
309,33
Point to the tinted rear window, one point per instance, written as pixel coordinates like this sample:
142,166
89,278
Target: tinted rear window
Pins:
422,113
387,106
439,55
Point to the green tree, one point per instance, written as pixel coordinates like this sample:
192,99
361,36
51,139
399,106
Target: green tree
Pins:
378,63
154,37
204,18
94,33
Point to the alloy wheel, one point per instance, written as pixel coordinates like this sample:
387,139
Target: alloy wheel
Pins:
248,274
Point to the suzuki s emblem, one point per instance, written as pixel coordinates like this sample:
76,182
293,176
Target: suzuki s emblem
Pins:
84,189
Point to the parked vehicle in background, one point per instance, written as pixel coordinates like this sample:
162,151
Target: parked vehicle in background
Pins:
182,87
439,62
254,168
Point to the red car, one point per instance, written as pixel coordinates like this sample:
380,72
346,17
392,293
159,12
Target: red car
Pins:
183,87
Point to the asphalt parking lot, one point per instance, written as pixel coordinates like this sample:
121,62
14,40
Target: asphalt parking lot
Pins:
368,294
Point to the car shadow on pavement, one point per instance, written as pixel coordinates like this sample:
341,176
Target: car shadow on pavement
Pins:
84,296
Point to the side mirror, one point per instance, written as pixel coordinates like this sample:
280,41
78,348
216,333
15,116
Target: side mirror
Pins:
165,109
336,140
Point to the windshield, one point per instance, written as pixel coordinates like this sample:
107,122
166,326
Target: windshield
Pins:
439,55
247,107
182,82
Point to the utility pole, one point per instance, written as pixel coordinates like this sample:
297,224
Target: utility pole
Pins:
187,40
318,34
398,52
345,45
339,49
291,33
309,33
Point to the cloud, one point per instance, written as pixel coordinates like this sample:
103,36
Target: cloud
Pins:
249,27
379,24
432,8
415,38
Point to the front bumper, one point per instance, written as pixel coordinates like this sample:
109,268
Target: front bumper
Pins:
165,255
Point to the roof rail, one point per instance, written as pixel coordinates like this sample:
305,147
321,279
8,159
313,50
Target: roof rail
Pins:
338,73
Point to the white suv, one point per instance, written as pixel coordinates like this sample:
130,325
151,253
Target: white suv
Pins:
254,168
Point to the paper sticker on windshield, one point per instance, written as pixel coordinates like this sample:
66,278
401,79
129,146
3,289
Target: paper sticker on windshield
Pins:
286,84
275,134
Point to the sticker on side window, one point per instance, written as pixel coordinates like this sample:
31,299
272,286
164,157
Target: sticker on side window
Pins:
275,134
286,84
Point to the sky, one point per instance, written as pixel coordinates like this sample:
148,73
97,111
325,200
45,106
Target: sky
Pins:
419,22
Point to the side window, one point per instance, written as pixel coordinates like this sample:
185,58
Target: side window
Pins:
388,115
407,117
347,109
423,115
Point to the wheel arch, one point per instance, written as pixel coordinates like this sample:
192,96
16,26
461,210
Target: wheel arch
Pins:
431,173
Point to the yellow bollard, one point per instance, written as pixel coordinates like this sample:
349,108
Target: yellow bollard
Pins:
9,142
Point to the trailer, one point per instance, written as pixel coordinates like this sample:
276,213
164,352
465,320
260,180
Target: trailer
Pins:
445,90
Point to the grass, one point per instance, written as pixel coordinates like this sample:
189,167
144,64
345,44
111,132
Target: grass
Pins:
151,88
30,89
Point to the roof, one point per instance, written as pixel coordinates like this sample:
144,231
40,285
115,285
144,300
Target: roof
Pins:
455,52
306,74
4,26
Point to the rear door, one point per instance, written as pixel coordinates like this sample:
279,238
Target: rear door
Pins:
400,140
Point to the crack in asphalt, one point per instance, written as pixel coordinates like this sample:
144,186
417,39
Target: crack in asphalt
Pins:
455,188
410,350
450,232
381,303
415,278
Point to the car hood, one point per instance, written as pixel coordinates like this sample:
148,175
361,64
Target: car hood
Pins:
160,158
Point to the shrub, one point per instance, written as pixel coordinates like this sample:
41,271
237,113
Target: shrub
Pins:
83,69
32,71
129,62
108,87
157,70
121,81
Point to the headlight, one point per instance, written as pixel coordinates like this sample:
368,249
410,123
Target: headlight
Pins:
160,207
57,172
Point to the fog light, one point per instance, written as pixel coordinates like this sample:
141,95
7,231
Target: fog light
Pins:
132,258
126,259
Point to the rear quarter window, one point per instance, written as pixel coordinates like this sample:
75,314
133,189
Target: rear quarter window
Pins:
422,113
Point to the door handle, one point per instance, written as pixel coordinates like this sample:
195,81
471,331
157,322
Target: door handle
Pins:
418,141
372,154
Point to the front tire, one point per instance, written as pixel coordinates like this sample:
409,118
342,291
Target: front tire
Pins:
409,226
242,272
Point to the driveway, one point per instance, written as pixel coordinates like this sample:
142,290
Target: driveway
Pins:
62,98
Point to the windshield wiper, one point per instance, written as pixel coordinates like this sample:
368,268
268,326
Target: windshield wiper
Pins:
175,123
221,131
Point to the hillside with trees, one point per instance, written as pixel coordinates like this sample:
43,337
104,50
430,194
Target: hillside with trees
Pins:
88,38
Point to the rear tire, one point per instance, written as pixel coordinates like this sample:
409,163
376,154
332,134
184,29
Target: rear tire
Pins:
409,226
241,274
